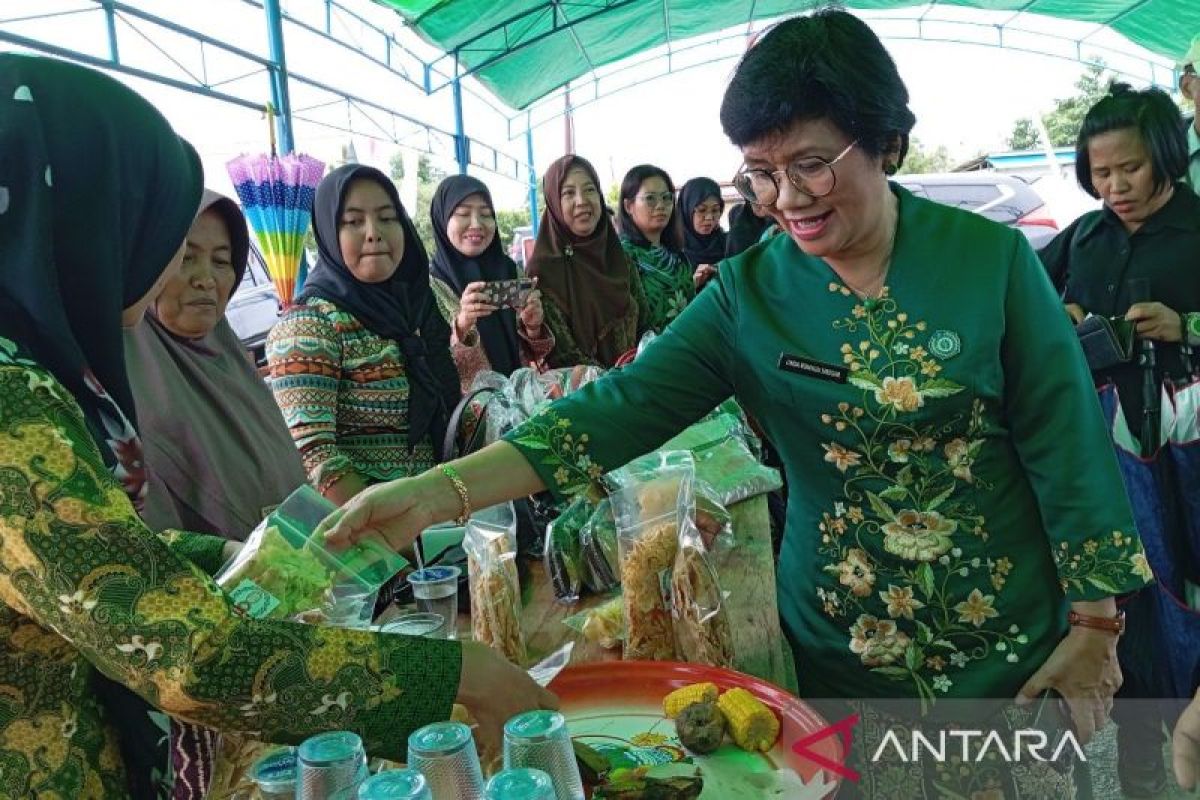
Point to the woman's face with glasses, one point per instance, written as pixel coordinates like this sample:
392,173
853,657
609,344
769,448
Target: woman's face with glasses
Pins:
823,189
651,207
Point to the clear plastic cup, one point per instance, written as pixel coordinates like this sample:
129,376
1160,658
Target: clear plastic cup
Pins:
414,623
275,774
396,784
330,763
539,740
445,754
435,590
520,784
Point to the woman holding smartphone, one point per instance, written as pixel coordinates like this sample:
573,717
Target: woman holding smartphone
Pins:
496,319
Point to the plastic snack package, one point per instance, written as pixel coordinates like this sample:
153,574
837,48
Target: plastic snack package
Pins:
598,544
491,546
699,614
724,459
651,498
603,624
283,572
563,557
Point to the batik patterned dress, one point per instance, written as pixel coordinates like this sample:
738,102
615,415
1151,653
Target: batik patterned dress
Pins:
666,280
86,586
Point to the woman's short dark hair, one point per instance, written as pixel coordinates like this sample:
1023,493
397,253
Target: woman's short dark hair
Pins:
827,65
1155,117
672,235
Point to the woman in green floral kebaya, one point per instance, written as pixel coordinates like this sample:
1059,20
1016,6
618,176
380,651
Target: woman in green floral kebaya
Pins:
953,496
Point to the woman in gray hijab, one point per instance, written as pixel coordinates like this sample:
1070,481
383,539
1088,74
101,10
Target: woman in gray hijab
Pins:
217,451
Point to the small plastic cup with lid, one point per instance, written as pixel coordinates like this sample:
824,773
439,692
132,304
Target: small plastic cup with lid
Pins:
435,590
520,784
396,784
275,774
539,740
414,623
329,763
445,754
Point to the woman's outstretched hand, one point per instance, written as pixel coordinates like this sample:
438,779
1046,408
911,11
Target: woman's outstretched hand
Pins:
395,512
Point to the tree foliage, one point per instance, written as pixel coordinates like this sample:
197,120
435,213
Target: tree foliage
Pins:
1064,122
428,178
920,160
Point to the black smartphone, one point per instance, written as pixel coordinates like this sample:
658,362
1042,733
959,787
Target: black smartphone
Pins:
509,293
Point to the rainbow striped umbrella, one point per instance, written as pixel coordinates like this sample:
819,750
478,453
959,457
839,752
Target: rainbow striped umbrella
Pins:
277,197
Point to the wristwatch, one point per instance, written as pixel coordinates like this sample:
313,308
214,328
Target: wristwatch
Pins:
1191,328
1114,625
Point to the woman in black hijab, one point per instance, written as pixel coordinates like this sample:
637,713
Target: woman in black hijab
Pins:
483,336
700,209
361,368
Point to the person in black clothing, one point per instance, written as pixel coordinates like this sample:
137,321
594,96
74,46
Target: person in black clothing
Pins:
1138,258
747,225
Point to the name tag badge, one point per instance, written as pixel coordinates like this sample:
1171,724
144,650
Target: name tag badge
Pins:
813,369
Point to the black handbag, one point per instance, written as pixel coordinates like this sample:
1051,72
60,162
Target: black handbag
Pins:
1106,341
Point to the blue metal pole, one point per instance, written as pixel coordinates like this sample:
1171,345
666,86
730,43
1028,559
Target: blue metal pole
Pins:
461,151
533,187
110,19
279,78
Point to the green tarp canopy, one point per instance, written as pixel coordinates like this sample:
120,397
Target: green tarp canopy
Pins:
524,49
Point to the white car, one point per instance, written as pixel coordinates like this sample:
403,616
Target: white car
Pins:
1003,198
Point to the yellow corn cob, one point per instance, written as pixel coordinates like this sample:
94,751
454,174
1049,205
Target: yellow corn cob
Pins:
680,699
752,725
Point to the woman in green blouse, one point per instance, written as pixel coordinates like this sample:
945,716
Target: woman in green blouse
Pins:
652,237
956,526
86,236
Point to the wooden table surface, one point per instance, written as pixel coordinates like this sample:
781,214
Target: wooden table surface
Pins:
747,574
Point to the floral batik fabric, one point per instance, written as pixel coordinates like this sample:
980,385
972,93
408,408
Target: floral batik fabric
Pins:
85,587
951,485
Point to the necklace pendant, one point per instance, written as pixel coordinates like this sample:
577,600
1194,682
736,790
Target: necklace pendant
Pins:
869,303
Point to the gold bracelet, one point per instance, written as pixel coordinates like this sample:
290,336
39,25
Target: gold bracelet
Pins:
461,488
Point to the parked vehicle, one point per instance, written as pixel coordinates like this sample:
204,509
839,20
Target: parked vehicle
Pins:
1004,198
255,307
522,245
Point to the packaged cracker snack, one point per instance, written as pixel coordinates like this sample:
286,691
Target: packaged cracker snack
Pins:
651,498
698,610
491,546
283,572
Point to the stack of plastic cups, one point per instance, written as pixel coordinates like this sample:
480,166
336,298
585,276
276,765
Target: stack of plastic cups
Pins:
445,754
520,784
330,763
539,740
397,784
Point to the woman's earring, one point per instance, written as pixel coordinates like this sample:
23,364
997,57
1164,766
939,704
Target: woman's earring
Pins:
890,169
